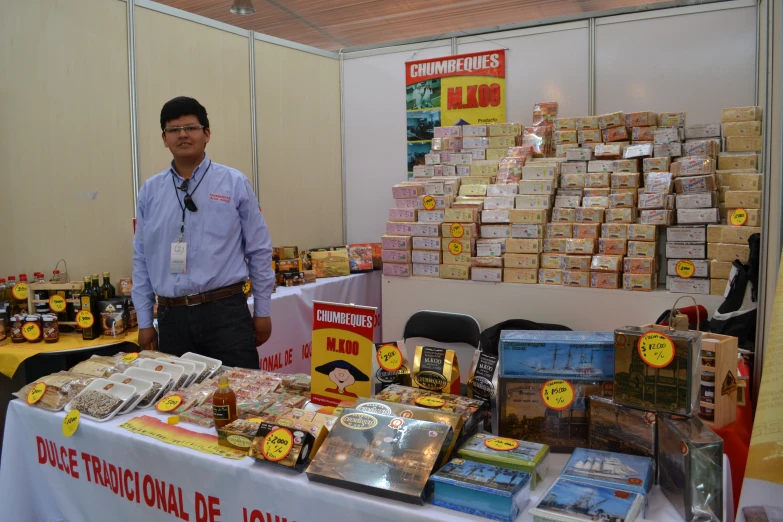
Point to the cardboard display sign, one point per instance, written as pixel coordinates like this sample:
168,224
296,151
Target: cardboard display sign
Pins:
390,365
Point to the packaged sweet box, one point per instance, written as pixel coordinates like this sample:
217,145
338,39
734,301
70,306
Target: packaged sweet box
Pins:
567,500
481,489
622,429
382,455
509,453
612,470
575,356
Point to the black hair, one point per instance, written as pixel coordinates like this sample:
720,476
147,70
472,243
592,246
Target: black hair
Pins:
183,106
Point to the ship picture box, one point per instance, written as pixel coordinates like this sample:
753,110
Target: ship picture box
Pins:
382,455
568,500
612,470
574,356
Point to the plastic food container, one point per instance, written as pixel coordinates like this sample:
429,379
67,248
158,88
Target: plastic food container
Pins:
212,365
176,371
190,369
116,390
142,387
163,379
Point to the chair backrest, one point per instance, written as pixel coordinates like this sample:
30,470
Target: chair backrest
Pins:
490,338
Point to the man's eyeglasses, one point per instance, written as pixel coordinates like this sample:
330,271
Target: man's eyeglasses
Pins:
190,129
189,203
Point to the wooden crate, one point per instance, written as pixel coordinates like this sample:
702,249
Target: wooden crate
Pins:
725,370
75,287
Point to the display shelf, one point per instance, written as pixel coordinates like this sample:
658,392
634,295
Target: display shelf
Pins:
491,303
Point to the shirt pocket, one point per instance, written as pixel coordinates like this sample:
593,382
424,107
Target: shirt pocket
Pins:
221,221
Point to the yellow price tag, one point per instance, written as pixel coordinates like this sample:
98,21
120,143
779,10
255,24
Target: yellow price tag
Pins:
428,202
246,287
557,394
71,422
738,217
501,444
277,444
257,420
685,268
35,393
455,247
57,303
389,357
169,403
656,349
129,358
85,319
19,291
457,230
31,332
430,402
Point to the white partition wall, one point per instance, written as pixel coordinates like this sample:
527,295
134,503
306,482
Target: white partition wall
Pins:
695,59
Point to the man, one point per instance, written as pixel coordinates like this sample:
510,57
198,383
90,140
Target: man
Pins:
199,235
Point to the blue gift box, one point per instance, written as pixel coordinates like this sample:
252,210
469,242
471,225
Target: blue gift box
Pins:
481,489
611,470
574,356
567,500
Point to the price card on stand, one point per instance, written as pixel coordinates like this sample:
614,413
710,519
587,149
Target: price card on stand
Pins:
501,444
57,303
557,394
71,422
31,332
170,403
19,291
85,319
129,358
656,349
277,444
389,357
35,393
430,402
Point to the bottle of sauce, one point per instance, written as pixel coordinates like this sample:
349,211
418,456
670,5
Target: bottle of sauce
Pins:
3,291
40,295
108,288
11,301
96,287
224,403
88,301
20,304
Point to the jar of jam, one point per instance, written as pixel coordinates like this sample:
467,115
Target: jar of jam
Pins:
34,319
706,413
707,392
16,329
708,358
51,328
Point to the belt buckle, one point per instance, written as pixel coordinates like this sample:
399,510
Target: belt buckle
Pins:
187,301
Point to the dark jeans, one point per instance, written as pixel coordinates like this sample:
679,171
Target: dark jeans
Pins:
222,329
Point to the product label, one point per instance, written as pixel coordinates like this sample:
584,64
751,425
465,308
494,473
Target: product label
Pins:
19,291
169,403
31,332
85,319
277,444
35,393
738,217
481,382
685,268
239,441
358,421
221,412
501,444
656,349
71,423
389,357
57,303
557,394
729,384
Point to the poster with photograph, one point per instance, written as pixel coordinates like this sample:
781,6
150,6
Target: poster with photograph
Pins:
465,89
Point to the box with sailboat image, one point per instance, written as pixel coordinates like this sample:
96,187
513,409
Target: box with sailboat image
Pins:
612,470
575,356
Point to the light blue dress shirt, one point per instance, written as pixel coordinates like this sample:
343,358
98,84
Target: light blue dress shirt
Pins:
227,229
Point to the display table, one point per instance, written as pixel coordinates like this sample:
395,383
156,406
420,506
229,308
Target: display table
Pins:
288,349
492,303
36,489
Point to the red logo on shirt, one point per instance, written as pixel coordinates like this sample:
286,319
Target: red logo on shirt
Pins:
219,197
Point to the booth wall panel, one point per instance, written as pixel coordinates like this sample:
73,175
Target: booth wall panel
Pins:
698,63
177,57
65,156
299,147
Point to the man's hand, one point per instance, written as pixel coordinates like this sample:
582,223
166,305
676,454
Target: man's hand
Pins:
263,328
148,338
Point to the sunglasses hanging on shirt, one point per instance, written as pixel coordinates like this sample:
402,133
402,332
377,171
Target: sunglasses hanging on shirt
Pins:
189,204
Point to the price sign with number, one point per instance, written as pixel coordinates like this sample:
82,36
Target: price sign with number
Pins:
457,230
557,394
738,217
430,402
35,393
389,357
169,403
19,291
57,303
277,444
71,422
685,268
455,247
31,332
129,358
85,319
428,202
656,349
501,444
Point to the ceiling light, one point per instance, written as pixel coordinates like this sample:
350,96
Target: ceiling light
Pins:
242,7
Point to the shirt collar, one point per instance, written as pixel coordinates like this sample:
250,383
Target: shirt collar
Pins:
200,169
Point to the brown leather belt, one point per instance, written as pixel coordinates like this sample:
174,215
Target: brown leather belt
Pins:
206,297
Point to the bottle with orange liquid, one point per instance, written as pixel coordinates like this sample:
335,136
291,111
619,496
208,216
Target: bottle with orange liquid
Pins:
224,403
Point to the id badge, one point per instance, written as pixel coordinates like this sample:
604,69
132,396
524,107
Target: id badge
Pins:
179,258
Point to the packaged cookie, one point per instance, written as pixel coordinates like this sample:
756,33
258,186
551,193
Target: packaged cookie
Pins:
54,391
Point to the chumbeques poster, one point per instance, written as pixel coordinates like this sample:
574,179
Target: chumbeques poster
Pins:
465,89
343,352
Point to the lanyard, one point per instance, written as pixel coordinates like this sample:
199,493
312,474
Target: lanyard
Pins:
181,205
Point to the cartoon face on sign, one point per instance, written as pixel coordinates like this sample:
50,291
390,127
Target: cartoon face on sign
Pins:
343,374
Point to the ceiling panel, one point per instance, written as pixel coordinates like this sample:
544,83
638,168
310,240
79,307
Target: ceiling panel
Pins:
336,24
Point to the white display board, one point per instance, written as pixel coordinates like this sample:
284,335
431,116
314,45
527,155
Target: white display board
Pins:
683,59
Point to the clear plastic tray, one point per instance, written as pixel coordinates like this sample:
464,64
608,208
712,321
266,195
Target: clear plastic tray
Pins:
115,389
189,366
209,362
162,378
174,370
142,386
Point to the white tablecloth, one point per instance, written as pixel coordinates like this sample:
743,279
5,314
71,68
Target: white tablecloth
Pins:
288,350
36,491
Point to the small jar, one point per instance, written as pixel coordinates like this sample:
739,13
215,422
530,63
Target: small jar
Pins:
16,329
34,319
708,358
707,392
708,377
42,309
706,413
3,324
51,328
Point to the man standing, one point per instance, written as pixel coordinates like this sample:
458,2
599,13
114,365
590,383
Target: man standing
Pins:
199,234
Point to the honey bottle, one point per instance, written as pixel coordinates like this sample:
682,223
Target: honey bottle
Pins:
224,403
